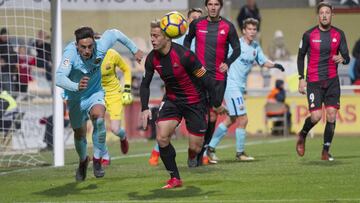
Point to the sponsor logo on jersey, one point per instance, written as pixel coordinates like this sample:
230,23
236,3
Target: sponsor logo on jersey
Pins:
316,40
203,31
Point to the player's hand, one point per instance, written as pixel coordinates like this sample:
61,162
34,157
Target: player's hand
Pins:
302,86
223,67
145,116
83,83
220,110
279,66
127,97
338,59
138,56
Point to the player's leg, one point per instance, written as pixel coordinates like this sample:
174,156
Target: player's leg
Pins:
240,134
195,116
115,109
332,104
315,99
78,117
169,118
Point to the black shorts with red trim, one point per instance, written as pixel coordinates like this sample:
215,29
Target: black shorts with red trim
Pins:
195,115
325,91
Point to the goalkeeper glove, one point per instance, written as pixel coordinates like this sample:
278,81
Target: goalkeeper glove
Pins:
279,66
126,95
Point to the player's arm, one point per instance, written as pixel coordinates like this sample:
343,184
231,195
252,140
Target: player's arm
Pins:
125,68
235,45
193,65
191,34
63,72
344,58
263,61
145,92
303,49
111,36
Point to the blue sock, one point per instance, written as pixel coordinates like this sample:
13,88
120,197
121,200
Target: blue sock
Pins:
121,133
240,134
156,147
219,133
99,138
81,147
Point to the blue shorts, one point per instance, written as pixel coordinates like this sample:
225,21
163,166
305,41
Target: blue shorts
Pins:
234,100
79,109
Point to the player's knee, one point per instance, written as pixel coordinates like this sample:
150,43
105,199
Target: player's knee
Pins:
163,141
331,116
229,120
316,116
243,121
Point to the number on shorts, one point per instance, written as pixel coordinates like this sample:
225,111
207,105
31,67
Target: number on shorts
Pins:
240,100
312,97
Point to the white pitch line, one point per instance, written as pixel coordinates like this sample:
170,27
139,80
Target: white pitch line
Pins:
148,154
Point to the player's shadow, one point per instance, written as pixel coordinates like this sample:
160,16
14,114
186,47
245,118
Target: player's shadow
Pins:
189,191
67,189
323,163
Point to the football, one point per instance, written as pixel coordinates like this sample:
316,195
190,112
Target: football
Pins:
173,24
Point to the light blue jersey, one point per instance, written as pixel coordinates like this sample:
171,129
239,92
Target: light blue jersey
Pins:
240,69
73,67
237,76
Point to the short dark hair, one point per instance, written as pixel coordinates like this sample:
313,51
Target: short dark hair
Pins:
84,32
324,4
220,1
192,10
250,21
3,31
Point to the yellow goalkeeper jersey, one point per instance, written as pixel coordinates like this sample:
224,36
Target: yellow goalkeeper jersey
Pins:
109,79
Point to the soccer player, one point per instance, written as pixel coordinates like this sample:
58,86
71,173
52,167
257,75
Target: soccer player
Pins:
326,47
235,90
193,13
213,34
185,79
79,74
116,96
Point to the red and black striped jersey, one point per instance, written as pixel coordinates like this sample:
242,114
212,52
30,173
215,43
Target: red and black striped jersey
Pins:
212,41
180,70
320,47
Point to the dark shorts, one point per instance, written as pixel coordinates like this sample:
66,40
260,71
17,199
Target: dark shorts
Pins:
220,86
326,91
195,115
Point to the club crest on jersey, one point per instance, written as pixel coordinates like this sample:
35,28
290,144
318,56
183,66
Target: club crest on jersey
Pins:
97,60
222,32
175,65
334,40
254,53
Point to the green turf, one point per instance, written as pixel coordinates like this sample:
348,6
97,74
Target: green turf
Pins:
276,175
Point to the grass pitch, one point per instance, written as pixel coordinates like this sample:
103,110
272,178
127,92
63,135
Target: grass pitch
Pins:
277,175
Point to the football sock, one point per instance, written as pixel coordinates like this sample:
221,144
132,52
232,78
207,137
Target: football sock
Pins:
328,135
99,137
121,133
81,147
219,133
167,155
207,138
240,134
307,127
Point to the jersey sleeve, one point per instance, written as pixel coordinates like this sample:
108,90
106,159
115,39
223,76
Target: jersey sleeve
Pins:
260,57
343,48
145,83
64,69
303,49
124,67
190,35
110,37
235,45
